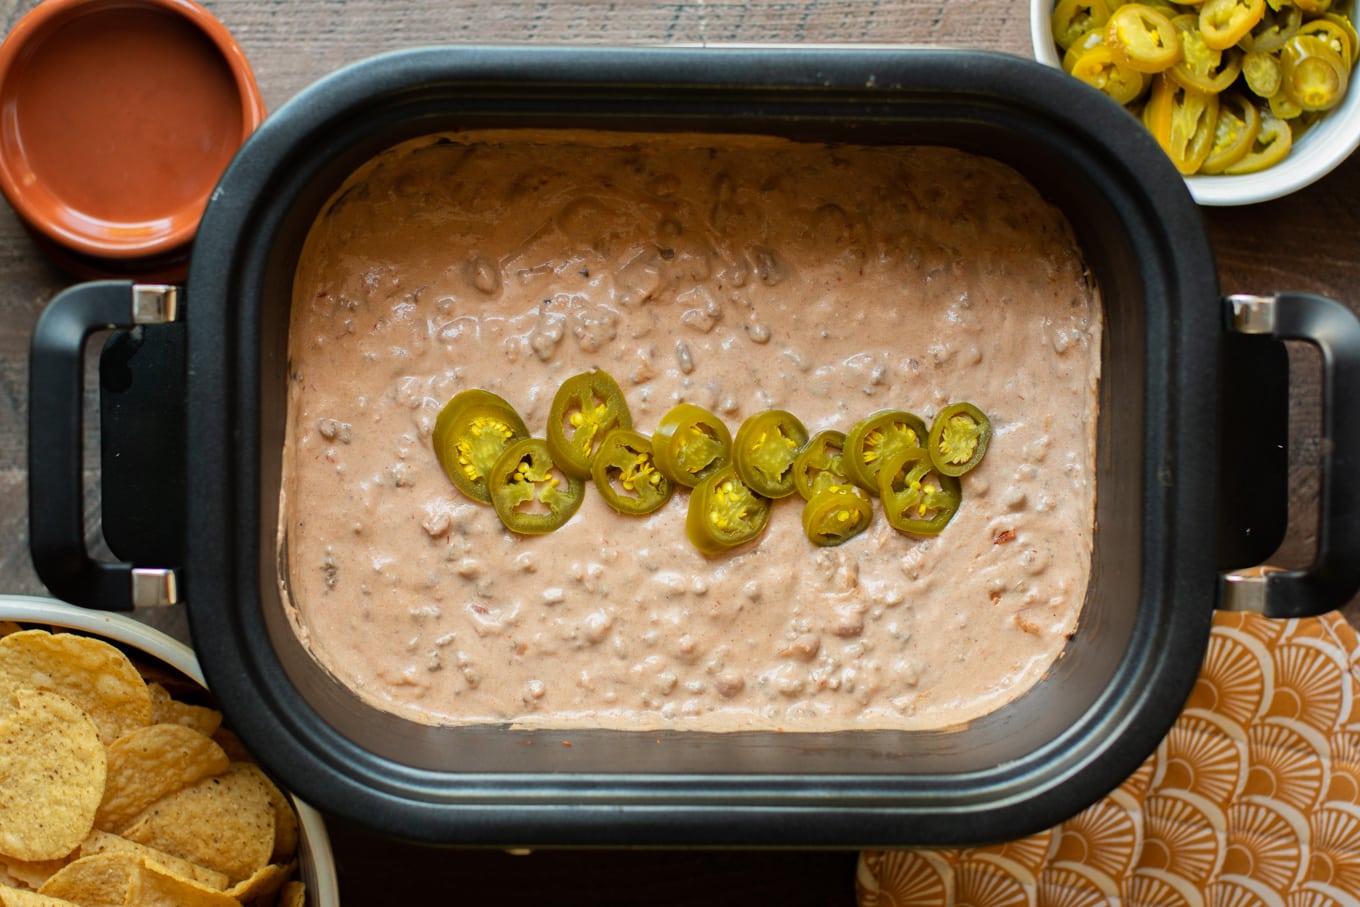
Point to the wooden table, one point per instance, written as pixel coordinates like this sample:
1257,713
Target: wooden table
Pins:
1309,242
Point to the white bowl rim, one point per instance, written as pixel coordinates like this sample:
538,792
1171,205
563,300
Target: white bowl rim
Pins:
1324,146
122,628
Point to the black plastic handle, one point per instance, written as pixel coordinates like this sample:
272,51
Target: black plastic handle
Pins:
1334,576
56,497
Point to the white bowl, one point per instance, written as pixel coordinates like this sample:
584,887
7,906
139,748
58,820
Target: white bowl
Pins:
318,862
1325,145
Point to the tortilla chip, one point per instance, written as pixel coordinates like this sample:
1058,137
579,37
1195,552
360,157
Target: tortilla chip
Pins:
30,873
172,711
285,819
8,626
264,884
105,878
152,886
93,674
294,894
150,762
52,771
225,823
231,745
15,897
103,842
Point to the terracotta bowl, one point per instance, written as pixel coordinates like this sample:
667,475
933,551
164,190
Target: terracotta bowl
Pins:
117,117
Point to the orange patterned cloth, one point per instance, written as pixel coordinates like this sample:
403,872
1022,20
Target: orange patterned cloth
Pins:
1253,798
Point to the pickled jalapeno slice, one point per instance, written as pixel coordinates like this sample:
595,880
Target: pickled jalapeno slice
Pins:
690,444
1073,18
1239,122
836,514
586,407
626,475
917,497
820,464
764,450
1142,38
959,436
1312,73
531,493
471,432
875,440
1225,22
725,512
1273,141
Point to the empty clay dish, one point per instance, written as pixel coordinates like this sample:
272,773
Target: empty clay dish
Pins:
117,117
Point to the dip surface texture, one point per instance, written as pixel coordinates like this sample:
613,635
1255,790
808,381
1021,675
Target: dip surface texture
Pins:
739,274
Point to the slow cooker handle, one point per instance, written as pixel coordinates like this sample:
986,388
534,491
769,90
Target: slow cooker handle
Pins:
1334,576
56,498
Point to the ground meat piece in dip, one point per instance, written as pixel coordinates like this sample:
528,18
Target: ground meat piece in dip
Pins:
739,274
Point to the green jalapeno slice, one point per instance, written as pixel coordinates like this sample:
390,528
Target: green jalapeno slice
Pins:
585,408
626,474
471,432
820,464
1183,121
764,450
959,436
531,494
690,444
1312,73
1073,18
1098,68
1273,141
725,512
1142,38
836,514
876,439
917,497
1225,22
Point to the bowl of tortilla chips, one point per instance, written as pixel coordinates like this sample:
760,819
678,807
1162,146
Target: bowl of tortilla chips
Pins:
120,785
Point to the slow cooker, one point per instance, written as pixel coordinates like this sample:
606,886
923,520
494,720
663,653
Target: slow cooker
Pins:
1191,470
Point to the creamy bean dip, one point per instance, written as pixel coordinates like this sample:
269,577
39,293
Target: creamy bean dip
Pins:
739,274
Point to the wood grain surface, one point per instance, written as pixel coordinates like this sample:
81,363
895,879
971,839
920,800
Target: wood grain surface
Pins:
1309,241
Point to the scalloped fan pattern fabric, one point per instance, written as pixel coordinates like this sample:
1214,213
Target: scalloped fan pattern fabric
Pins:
1252,798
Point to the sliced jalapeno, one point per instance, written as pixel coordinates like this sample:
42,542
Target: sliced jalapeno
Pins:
1261,72
1142,38
876,439
1273,141
626,476
1098,68
531,494
959,436
821,463
917,497
1182,120
690,444
1201,67
764,450
836,514
585,408
725,512
471,432
1093,38
1336,33
1312,73
1073,18
1238,124
1276,27
1345,26
1225,22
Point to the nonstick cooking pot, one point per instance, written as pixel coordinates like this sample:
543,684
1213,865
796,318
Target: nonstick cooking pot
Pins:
1191,470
